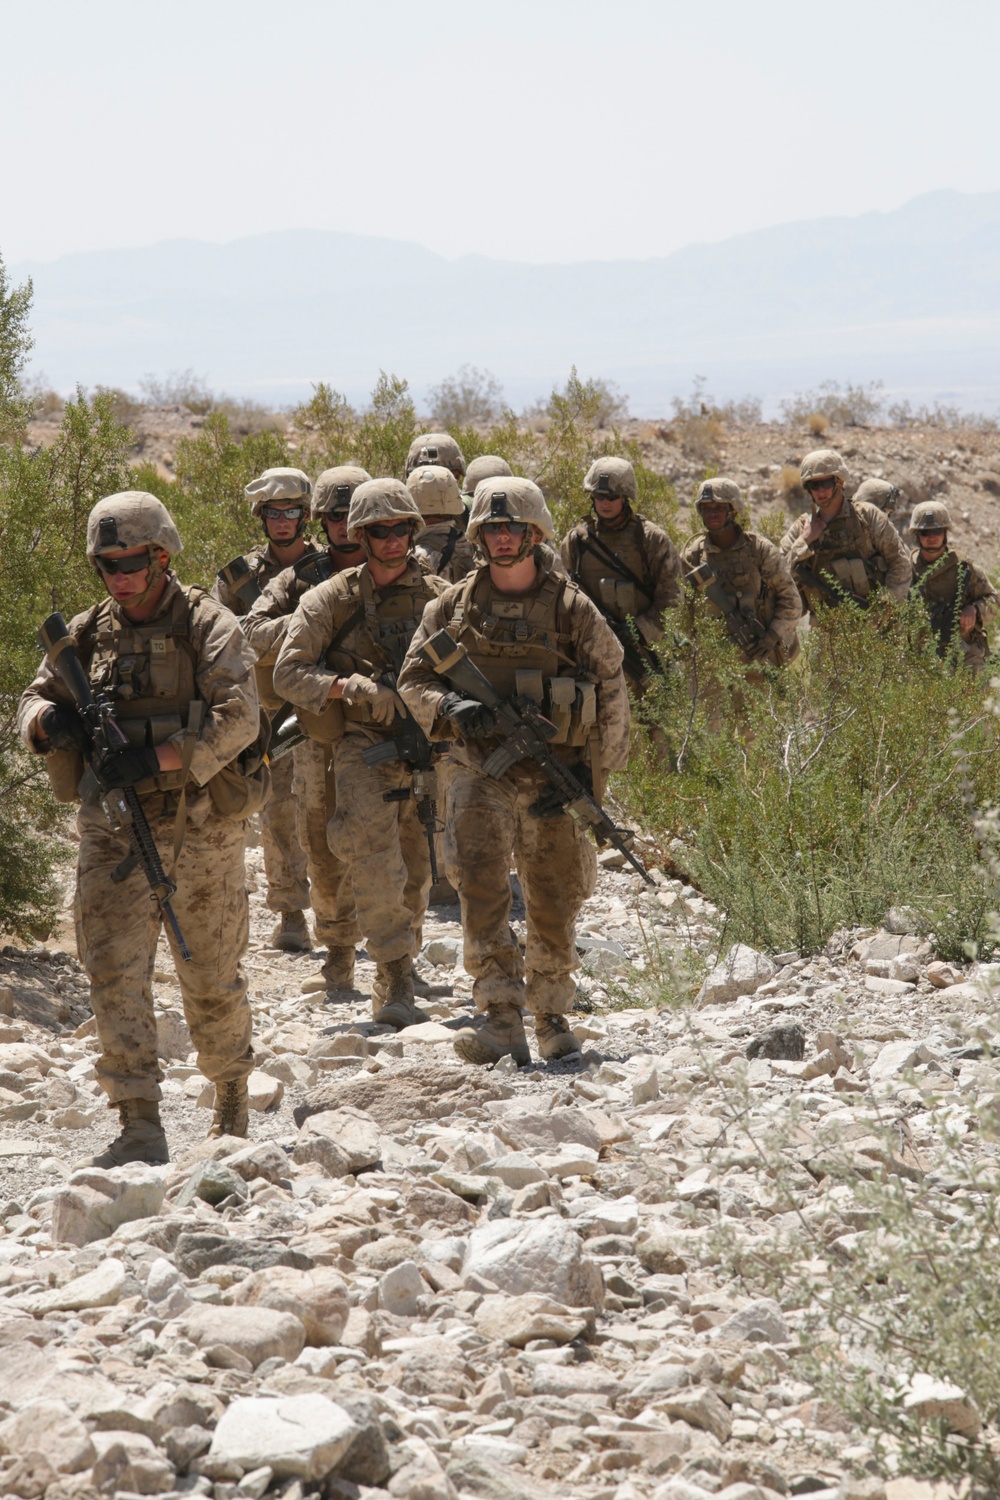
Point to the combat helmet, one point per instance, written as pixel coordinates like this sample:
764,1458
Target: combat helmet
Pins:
878,492
435,490
719,491
822,463
380,500
435,448
335,488
930,515
613,478
511,499
280,484
133,518
486,466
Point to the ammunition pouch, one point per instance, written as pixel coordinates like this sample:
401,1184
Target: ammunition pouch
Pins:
243,787
65,769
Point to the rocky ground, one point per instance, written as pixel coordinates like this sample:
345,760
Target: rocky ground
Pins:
959,466
419,1279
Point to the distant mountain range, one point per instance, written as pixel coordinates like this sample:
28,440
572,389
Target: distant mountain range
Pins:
911,297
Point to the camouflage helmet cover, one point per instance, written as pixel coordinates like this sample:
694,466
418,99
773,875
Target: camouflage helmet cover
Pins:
435,490
335,488
510,499
132,518
435,448
822,463
930,515
719,492
380,500
613,477
486,466
877,492
278,484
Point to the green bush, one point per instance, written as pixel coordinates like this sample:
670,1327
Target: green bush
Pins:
838,788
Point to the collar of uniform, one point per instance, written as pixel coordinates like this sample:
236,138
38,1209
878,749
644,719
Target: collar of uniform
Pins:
268,555
948,556
411,577
711,546
169,595
622,522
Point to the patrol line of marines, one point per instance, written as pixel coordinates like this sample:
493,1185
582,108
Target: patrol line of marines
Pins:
349,636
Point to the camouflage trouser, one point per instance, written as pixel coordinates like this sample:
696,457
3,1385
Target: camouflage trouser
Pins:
385,847
330,883
488,821
284,856
117,927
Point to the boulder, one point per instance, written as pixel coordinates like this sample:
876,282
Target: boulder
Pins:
418,1091
317,1298
535,1255
741,972
301,1437
518,1320
49,1427
340,1141
256,1333
94,1203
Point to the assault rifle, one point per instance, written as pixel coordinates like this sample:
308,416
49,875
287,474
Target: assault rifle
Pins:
638,659
121,804
414,749
286,733
315,567
833,593
746,630
526,735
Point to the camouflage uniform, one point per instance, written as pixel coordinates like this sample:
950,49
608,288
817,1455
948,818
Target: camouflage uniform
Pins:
190,649
343,627
552,631
948,584
442,547
754,574
856,550
645,550
285,863
312,786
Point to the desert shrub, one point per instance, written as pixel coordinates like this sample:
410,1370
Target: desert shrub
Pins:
839,788
44,401
331,432
950,418
472,397
179,388
818,424
839,405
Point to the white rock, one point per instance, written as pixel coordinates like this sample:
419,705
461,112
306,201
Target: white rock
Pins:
441,952
340,1140
929,1397
257,1333
264,1091
742,972
535,1255
905,966
518,1320
51,1428
399,1289
296,1436
517,1170
318,1298
759,1322
173,1039
102,1287
95,1203
129,1462
647,1083
895,1058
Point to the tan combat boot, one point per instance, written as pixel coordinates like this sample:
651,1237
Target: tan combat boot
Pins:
232,1109
338,967
141,1138
498,1033
392,997
554,1039
291,933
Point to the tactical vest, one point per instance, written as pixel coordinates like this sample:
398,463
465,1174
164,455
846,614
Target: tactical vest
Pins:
248,587
737,573
150,671
515,642
381,625
944,587
845,551
615,593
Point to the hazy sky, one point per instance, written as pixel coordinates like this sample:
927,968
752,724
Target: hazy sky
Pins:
523,129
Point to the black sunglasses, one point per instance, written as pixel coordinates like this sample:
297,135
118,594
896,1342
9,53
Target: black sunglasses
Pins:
494,528
381,531
283,512
112,565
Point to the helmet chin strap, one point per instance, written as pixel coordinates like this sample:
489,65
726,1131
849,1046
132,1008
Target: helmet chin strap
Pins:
154,573
527,547
621,519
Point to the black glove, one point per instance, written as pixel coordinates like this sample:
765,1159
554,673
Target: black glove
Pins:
552,802
762,649
474,721
120,768
64,729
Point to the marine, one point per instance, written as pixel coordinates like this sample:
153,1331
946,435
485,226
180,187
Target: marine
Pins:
441,544
313,792
958,595
341,652
280,499
180,676
625,564
847,549
529,630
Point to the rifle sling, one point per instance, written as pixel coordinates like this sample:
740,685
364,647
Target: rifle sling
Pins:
604,554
